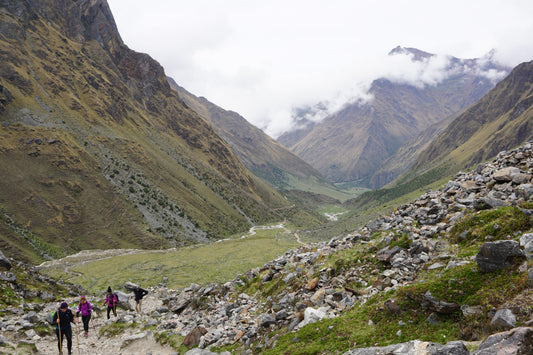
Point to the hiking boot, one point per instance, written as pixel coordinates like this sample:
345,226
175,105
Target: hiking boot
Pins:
86,335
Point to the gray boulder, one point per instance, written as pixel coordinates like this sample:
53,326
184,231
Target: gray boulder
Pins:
123,298
8,276
526,241
525,191
130,286
31,317
178,305
267,320
387,253
518,341
198,351
127,340
498,255
504,318
505,174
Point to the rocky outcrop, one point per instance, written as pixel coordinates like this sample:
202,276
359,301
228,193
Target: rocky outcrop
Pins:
5,264
498,255
518,341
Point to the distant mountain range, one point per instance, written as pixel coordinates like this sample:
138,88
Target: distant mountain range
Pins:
373,142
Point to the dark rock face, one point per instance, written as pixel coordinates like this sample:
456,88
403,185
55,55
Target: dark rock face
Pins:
178,305
5,264
498,255
435,305
518,341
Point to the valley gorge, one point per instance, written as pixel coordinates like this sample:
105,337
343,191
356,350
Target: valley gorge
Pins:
114,175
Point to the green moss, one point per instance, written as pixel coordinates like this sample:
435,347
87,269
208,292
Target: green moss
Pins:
173,340
498,224
114,329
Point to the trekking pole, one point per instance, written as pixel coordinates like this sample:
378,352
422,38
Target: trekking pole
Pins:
59,332
94,330
77,339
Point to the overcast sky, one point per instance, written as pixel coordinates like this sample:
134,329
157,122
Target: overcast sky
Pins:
264,58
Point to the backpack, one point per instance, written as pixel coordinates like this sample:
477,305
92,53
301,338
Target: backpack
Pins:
116,298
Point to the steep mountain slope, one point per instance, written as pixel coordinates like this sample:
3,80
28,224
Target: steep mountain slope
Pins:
96,149
399,162
261,154
354,143
501,120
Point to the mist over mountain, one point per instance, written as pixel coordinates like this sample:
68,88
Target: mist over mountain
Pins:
354,142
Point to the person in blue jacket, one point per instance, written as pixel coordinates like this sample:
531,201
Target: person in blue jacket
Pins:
62,319
139,294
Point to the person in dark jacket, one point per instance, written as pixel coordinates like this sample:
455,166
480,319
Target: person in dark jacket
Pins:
84,308
62,319
111,301
139,294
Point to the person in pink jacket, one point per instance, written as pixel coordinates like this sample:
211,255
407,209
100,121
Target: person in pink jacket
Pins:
111,300
84,308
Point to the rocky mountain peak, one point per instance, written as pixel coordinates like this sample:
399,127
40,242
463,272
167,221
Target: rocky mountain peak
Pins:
418,55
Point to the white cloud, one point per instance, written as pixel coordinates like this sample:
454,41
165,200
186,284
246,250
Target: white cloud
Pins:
262,58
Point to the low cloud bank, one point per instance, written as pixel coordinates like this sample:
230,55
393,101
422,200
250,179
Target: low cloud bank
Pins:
402,66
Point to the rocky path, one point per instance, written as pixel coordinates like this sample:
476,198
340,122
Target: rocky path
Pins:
131,341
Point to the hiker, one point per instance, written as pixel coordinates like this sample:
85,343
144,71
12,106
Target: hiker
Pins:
63,317
84,308
111,300
139,294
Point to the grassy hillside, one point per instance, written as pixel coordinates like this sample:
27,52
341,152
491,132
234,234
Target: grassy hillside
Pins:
98,152
499,121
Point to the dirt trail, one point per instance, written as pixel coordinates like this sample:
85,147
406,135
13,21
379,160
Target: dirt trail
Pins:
104,345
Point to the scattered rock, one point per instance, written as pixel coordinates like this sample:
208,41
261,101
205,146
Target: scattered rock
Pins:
311,285
132,338
414,347
193,338
441,307
504,318
518,341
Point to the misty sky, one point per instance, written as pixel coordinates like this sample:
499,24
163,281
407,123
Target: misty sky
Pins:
264,58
